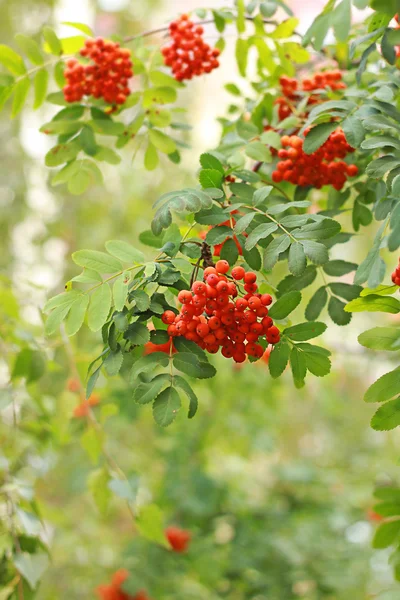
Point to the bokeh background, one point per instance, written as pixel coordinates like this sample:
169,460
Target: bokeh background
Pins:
274,483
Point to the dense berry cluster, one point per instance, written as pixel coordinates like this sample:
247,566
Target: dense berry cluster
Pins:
178,538
188,54
106,76
114,591
396,275
317,169
214,316
293,91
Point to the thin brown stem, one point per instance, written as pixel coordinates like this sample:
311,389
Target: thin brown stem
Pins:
165,28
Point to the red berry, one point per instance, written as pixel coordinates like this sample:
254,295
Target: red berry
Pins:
238,273
185,297
202,330
222,266
179,539
168,317
266,299
212,280
250,277
199,288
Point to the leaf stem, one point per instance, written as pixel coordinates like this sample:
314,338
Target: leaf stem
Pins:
273,220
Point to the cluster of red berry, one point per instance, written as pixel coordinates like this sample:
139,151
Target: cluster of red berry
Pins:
291,89
188,54
213,316
396,275
114,591
83,408
317,169
106,76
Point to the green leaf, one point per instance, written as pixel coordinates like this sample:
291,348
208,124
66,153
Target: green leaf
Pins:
273,251
240,20
138,334
99,307
316,304
120,292
151,525
52,40
216,235
317,359
210,178
261,194
387,417
30,48
336,310
162,141
151,159
81,27
61,154
389,7
374,303
76,314
21,90
298,366
31,566
285,29
141,300
29,364
384,388
192,365
241,53
290,282
11,60
40,84
386,534
285,305
208,161
181,383
159,95
341,20
337,268
280,208
258,151
147,392
166,406
124,251
354,131
297,259
145,363
260,232
271,138
98,481
113,363
318,136
244,222
345,290
316,252
278,359
87,140
55,319
253,258
381,338
305,331
319,230
123,488
229,252
98,261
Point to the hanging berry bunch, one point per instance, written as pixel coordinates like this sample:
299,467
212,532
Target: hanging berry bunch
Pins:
293,90
188,54
317,169
396,275
214,315
106,76
114,591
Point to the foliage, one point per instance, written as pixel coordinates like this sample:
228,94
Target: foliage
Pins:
288,231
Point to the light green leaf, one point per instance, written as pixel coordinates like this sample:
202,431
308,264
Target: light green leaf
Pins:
31,566
21,90
374,303
99,307
162,141
11,60
53,43
98,486
261,194
151,159
150,524
381,338
76,314
258,151
40,84
387,417
384,388
31,48
91,442
80,26
98,261
113,363
124,251
120,292
386,534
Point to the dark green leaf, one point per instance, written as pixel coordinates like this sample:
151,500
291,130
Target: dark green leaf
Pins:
336,310
166,406
304,331
279,359
316,304
384,388
285,305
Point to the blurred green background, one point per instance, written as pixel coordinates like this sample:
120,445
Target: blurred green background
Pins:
274,483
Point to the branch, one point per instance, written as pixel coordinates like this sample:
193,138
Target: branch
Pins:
165,28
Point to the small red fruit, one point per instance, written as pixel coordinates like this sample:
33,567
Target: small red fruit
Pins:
222,266
178,538
238,273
